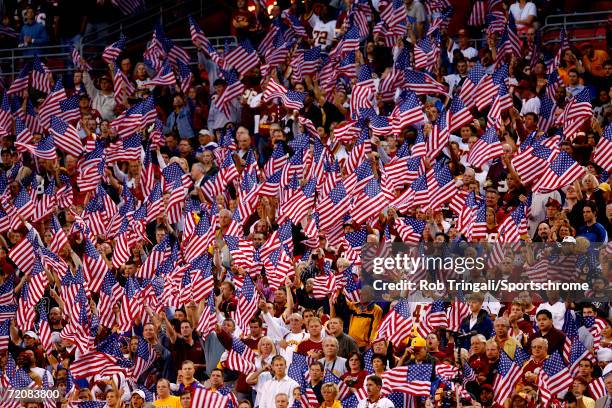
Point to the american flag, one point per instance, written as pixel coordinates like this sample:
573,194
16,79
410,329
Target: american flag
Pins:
184,75
20,83
532,161
564,45
206,398
425,55
555,374
577,110
468,89
308,61
70,109
208,319
248,299
346,132
477,16
561,171
112,51
393,13
94,266
165,76
410,229
347,66
299,204
290,99
487,147
145,356
397,324
440,184
128,7
173,52
508,375
371,200
364,91
413,380
233,90
197,35
65,136
547,113
435,318
122,87
408,111
459,114
23,206
349,41
422,83
4,334
457,312
333,205
126,149
243,58
294,24
485,92
514,225
6,116
380,125
440,134
76,60
603,151
24,136
597,388
509,43
240,357
44,149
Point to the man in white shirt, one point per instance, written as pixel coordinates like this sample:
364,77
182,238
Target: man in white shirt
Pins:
269,383
455,81
374,400
530,100
464,45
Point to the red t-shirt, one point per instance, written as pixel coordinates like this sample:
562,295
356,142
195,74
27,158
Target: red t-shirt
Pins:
307,345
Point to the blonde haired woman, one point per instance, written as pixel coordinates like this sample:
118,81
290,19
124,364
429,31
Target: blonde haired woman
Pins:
330,392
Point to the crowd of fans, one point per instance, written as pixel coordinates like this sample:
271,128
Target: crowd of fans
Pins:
156,334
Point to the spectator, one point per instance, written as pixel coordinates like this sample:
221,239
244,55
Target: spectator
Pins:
103,99
524,13
179,121
271,381
373,387
478,319
33,33
554,338
164,399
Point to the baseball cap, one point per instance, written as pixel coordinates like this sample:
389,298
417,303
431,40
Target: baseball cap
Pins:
604,355
140,393
487,387
553,203
204,132
463,33
569,239
31,334
607,370
418,342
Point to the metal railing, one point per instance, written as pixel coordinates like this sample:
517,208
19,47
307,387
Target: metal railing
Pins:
13,59
592,20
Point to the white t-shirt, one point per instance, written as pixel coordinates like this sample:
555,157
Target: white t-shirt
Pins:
558,313
531,105
469,53
522,13
267,388
381,403
322,33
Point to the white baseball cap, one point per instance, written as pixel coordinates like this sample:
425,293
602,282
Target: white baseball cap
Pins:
140,393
